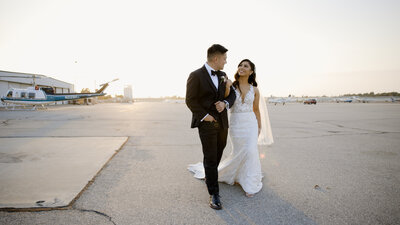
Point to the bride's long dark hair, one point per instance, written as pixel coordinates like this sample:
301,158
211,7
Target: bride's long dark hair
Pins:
252,77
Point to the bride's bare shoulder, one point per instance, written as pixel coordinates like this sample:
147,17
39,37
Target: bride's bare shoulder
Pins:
256,91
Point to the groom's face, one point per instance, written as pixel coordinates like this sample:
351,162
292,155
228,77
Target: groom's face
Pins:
220,61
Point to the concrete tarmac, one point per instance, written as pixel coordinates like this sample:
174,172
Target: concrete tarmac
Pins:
38,172
330,164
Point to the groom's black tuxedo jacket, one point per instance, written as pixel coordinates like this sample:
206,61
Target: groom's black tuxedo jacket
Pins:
201,94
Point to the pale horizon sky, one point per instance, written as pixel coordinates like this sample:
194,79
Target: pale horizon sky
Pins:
304,47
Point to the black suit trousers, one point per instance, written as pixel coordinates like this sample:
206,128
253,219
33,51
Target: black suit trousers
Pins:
213,139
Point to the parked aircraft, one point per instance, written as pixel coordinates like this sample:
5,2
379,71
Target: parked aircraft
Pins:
36,95
395,99
277,100
284,100
346,99
366,99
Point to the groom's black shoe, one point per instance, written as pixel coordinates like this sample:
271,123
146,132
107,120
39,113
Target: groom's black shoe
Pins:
215,202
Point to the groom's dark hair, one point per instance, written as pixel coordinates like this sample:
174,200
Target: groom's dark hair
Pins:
215,49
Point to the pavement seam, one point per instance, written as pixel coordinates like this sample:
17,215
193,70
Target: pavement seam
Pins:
58,136
98,172
38,209
69,206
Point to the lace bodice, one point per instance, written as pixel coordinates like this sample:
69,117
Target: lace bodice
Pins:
247,104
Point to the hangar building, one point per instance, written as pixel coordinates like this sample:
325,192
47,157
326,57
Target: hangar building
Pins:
23,80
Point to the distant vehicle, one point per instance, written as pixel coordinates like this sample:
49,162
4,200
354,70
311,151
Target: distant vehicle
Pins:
310,101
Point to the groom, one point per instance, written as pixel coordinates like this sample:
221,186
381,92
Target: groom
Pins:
205,92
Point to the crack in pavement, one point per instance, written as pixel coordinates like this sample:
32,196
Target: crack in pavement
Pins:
97,212
337,134
32,210
352,128
5,122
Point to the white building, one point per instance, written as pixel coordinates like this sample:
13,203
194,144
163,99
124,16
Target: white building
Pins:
23,80
128,96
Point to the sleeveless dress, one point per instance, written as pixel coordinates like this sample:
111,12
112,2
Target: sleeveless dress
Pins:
243,164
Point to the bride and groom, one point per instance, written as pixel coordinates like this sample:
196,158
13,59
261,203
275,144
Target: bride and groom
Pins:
209,95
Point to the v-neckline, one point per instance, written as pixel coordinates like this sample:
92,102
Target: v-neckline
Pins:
245,95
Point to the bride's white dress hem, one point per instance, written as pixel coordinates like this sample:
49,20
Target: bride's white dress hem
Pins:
243,164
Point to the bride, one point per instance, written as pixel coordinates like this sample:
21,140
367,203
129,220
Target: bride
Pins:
249,126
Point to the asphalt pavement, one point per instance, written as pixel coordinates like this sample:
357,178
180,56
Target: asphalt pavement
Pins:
330,164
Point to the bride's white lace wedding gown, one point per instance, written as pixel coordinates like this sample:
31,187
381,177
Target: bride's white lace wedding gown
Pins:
243,164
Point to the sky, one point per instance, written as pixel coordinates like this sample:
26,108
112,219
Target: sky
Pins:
299,47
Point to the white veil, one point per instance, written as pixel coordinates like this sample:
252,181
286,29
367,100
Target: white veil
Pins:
265,137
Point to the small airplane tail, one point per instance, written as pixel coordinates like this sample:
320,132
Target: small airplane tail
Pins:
104,86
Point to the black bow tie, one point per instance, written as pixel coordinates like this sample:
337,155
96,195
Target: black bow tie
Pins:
218,73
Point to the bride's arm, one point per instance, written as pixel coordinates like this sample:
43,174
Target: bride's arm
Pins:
228,87
256,107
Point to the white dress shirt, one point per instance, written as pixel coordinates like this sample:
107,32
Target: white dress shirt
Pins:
213,78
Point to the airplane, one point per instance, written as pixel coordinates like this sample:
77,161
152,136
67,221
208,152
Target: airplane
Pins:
395,99
283,100
376,99
366,99
277,101
36,95
346,100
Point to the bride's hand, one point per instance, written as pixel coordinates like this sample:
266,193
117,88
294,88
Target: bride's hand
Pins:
220,106
228,83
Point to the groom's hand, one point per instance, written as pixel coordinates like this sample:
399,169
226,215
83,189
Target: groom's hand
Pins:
210,118
220,106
